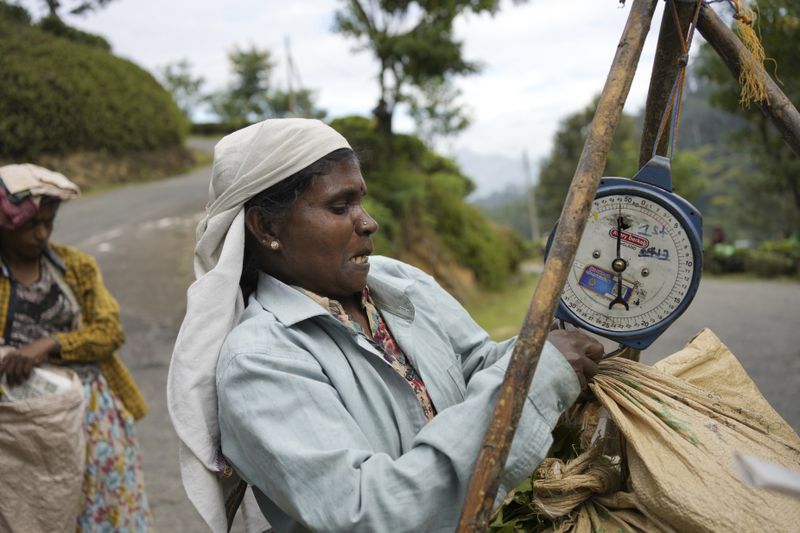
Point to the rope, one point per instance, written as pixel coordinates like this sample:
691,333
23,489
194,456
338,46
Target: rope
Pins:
559,487
752,86
753,89
675,98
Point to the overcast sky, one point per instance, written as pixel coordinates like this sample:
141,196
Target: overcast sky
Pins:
541,60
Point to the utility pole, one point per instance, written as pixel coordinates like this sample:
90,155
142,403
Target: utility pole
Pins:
533,217
290,75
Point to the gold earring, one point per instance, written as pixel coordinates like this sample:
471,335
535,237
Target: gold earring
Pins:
274,245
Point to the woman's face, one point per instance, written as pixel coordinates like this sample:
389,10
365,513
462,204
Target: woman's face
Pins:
326,236
28,241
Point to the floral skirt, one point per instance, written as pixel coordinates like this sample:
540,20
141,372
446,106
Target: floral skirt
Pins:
113,483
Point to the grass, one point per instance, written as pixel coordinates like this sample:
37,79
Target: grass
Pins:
501,313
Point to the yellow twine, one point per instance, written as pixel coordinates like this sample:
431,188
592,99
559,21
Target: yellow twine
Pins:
753,88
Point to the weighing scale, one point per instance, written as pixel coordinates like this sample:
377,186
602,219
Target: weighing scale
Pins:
639,261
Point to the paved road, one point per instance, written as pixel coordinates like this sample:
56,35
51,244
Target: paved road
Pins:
143,238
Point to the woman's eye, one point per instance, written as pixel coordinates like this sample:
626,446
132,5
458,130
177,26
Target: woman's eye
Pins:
339,209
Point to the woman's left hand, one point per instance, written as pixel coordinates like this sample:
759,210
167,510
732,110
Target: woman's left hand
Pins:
580,350
18,364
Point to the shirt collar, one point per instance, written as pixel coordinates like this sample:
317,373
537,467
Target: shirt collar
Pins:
334,307
291,306
287,304
48,254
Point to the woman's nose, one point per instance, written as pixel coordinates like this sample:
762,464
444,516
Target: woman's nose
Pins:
366,224
41,232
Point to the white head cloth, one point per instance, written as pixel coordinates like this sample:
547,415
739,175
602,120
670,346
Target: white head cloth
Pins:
246,162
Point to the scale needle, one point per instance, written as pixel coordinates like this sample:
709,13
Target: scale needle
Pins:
619,264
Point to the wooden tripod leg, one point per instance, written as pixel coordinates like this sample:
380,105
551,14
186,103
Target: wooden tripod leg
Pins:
513,391
665,67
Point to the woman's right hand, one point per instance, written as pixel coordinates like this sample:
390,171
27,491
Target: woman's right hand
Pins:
580,350
18,364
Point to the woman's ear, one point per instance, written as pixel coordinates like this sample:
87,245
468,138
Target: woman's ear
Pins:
259,226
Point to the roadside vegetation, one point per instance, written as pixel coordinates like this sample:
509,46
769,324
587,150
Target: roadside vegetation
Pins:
501,312
67,103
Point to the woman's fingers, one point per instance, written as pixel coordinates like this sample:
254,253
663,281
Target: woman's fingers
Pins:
15,369
27,366
11,369
594,349
580,350
589,368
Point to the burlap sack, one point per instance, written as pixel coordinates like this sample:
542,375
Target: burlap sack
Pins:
672,469
42,457
681,439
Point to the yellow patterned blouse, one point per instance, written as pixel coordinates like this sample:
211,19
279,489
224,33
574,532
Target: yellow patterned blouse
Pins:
99,334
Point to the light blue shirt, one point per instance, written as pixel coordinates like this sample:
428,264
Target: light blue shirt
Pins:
333,439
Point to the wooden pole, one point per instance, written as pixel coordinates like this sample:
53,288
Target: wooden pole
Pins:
666,65
779,109
533,216
513,391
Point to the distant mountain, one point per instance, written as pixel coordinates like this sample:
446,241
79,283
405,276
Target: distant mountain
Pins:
491,173
508,207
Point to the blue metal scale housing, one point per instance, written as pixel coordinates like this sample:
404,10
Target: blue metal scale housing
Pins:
639,262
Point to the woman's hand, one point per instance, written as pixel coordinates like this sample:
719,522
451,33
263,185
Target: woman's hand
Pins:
18,364
580,350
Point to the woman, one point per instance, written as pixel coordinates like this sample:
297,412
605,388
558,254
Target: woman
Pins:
352,392
55,308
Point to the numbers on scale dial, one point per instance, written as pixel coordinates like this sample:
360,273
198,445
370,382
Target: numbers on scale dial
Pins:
658,263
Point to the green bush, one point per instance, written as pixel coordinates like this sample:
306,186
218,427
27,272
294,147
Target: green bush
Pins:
769,264
14,14
216,128
54,25
386,240
491,254
787,248
770,259
416,188
59,97
725,259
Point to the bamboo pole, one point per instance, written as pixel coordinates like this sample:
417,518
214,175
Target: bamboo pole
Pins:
513,391
666,65
779,109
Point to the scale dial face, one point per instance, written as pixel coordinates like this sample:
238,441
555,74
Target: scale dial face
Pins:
640,240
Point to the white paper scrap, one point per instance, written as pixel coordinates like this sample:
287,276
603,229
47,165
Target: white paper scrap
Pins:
763,474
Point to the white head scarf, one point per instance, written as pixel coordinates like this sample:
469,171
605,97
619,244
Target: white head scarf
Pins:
246,162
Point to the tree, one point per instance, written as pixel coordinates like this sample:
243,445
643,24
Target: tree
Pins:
246,100
297,103
435,111
557,169
78,7
251,96
177,78
413,42
771,190
689,173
